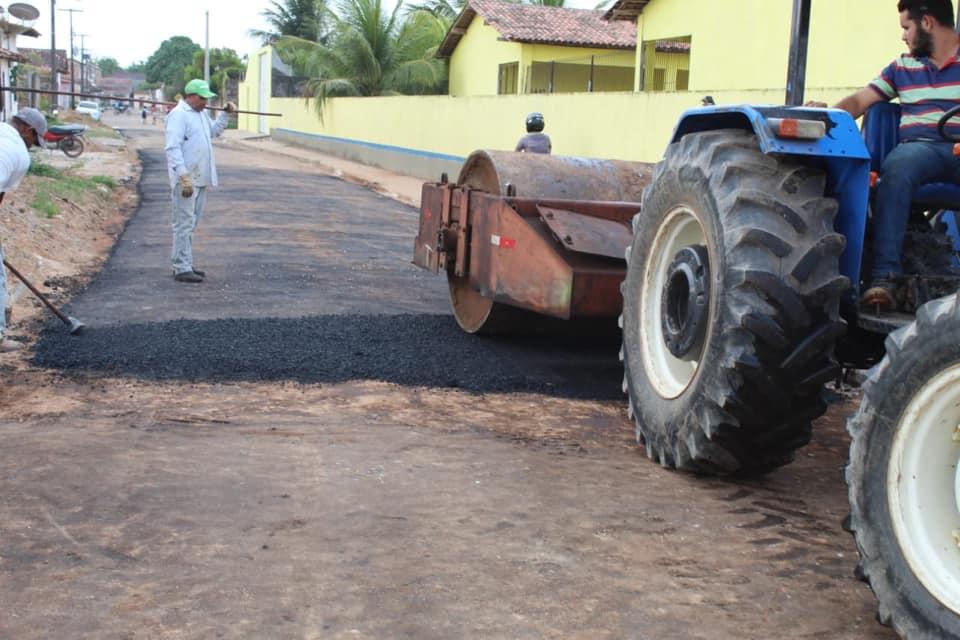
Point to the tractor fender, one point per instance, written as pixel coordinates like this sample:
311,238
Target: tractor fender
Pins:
841,152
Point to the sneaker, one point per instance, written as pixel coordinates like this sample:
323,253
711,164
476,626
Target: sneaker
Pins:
881,295
202,274
188,276
7,345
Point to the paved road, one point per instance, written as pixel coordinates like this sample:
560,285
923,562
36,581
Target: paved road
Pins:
144,495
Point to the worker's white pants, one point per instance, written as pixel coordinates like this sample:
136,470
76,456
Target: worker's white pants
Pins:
186,217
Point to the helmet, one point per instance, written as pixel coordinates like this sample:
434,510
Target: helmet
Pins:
535,122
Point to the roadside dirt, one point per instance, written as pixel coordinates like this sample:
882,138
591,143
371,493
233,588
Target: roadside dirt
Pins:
60,254
138,507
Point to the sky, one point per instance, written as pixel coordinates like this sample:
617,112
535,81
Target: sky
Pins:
131,30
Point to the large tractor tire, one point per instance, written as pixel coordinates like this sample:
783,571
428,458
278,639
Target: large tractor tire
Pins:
904,476
731,306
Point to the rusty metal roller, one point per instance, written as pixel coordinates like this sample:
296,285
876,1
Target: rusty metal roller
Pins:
535,175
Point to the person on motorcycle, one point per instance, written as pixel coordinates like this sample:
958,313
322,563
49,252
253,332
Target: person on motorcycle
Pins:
26,129
925,81
535,141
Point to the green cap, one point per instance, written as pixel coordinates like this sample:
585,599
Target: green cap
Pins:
199,87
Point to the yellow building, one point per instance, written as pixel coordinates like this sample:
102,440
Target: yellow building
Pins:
742,45
733,50
499,48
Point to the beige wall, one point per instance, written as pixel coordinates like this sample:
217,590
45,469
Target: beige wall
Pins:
628,126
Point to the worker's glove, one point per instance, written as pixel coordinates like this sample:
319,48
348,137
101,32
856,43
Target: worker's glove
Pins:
186,186
230,107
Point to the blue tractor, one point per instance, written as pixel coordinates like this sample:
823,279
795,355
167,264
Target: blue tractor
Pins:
740,301
744,261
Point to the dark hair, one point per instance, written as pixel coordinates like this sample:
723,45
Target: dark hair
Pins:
940,10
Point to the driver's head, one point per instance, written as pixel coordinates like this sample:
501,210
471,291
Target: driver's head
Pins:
922,20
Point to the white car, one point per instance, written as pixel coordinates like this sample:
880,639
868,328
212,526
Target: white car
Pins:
90,108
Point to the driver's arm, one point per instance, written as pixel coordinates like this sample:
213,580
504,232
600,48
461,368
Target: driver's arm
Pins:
856,104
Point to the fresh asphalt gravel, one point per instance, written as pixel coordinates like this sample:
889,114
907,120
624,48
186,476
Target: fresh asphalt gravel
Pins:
416,350
308,280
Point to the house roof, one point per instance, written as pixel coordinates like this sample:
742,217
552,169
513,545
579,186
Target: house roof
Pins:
41,57
626,9
14,28
12,56
541,25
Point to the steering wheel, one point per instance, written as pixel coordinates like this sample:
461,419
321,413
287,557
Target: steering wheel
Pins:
942,125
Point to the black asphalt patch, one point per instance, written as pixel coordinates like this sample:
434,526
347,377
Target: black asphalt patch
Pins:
309,279
414,350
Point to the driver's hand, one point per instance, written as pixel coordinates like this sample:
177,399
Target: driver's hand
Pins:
816,104
230,107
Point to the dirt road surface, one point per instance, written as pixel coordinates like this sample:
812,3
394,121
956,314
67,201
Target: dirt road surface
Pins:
305,447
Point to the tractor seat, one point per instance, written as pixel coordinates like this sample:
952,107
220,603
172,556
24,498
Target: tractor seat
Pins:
881,133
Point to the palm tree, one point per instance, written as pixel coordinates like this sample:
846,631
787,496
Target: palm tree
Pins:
371,52
448,10
306,19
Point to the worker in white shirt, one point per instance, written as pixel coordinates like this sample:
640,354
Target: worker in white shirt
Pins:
189,147
26,128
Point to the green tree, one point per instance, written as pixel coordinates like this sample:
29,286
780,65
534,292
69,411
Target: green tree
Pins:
305,19
447,10
224,63
167,63
137,67
371,52
108,66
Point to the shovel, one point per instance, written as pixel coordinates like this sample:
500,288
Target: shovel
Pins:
75,325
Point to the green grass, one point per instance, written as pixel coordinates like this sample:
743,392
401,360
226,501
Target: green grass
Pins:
54,186
43,170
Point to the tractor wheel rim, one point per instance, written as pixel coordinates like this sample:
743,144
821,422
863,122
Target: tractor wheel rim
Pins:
668,374
923,486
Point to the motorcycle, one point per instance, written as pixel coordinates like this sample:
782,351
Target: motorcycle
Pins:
67,137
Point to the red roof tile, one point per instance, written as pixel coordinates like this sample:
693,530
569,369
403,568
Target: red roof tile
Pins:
542,25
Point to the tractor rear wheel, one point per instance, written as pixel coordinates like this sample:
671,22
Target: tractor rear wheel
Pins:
904,476
731,306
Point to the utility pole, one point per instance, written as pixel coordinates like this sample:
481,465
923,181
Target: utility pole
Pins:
73,84
54,85
83,63
206,53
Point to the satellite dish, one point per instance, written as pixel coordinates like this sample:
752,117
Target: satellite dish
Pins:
23,11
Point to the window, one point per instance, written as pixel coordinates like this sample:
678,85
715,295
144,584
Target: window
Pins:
507,81
666,64
659,79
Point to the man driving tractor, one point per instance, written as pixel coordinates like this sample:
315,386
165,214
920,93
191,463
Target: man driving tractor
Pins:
927,82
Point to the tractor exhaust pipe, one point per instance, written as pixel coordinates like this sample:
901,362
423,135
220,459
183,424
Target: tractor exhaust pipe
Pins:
797,65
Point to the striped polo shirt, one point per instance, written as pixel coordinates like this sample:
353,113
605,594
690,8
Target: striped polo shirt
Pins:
925,93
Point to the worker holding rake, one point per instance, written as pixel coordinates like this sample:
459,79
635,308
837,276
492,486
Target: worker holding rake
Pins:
26,128
191,168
